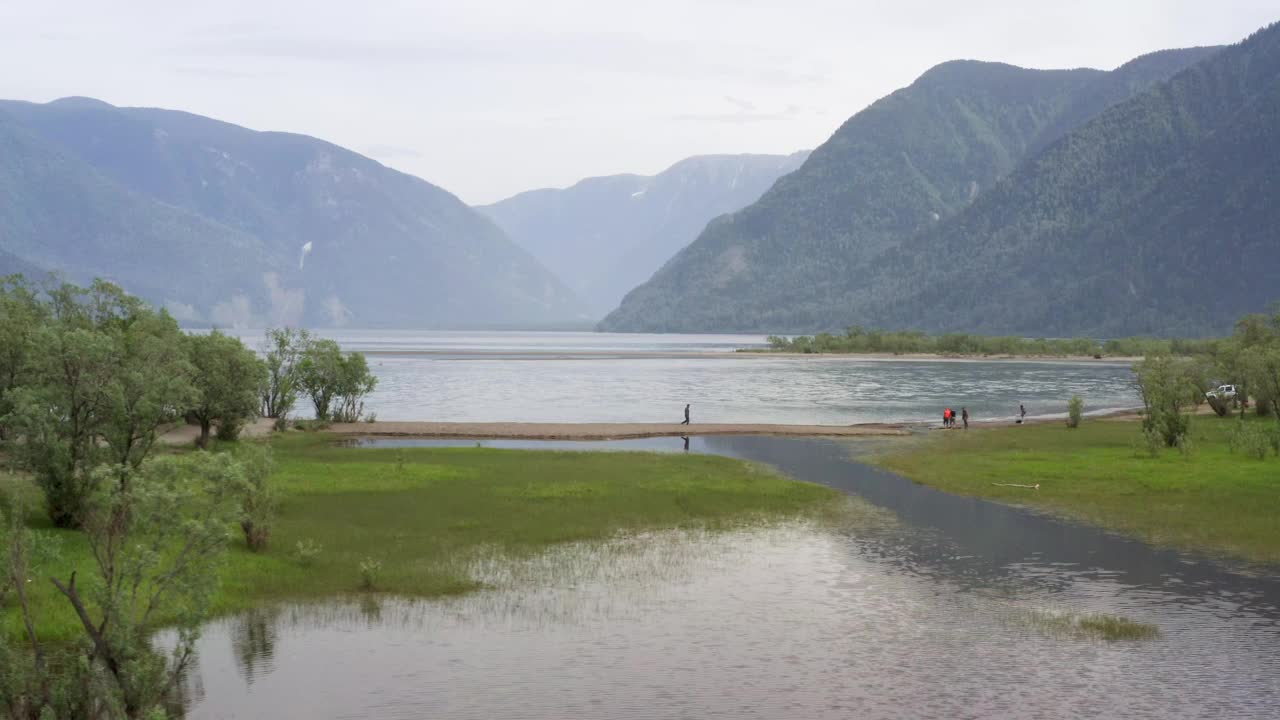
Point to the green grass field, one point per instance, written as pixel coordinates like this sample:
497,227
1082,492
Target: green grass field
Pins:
1210,500
424,513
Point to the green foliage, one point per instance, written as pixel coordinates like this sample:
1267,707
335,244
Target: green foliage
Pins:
104,373
259,500
229,380
306,550
1170,388
21,315
1075,411
370,568
908,342
336,382
283,352
1254,439
156,537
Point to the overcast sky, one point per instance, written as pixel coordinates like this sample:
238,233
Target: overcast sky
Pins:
490,97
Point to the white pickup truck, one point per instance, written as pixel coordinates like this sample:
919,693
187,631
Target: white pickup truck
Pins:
1223,392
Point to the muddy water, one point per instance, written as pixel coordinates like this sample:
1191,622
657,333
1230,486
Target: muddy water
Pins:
920,604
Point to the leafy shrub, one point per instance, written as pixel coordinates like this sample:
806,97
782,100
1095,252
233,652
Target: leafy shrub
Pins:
1149,443
1254,439
1075,411
370,568
229,430
306,551
258,500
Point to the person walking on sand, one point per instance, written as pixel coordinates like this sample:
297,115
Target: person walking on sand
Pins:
1022,412
686,415
964,416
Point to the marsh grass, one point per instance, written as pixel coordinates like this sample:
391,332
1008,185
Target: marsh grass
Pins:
1086,626
427,514
1211,500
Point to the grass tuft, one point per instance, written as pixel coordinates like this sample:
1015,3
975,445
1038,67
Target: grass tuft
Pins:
1091,626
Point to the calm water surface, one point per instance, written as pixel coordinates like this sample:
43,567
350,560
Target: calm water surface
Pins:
918,606
603,377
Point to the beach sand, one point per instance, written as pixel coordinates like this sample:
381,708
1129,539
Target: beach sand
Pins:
601,431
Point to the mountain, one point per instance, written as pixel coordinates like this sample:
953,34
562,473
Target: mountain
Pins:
605,235
227,225
798,259
1158,216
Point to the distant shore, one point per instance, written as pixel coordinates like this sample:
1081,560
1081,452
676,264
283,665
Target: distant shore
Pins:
765,352
742,353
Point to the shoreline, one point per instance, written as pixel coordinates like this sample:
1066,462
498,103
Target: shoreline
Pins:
604,431
501,430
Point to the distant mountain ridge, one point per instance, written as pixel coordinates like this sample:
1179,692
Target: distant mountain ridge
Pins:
816,251
605,235
211,219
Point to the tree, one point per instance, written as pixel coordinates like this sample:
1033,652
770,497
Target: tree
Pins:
357,383
60,414
336,383
157,542
1262,368
21,315
283,351
1168,387
229,380
104,373
150,384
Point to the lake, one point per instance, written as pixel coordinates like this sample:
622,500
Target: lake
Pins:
606,377
922,604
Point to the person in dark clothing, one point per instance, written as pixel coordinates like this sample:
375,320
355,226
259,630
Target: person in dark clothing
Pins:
964,415
1022,412
686,415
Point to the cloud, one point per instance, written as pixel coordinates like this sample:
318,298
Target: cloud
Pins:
619,52
220,73
746,113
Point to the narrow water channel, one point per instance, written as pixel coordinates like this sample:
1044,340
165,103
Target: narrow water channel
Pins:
920,609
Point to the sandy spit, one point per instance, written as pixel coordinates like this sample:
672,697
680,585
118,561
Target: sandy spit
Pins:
601,431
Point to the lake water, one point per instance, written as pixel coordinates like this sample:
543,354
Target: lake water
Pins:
921,605
603,377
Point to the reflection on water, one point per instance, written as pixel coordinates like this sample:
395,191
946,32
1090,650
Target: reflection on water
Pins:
787,622
914,609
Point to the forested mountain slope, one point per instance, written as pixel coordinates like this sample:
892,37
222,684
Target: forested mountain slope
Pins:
800,257
1158,216
232,226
